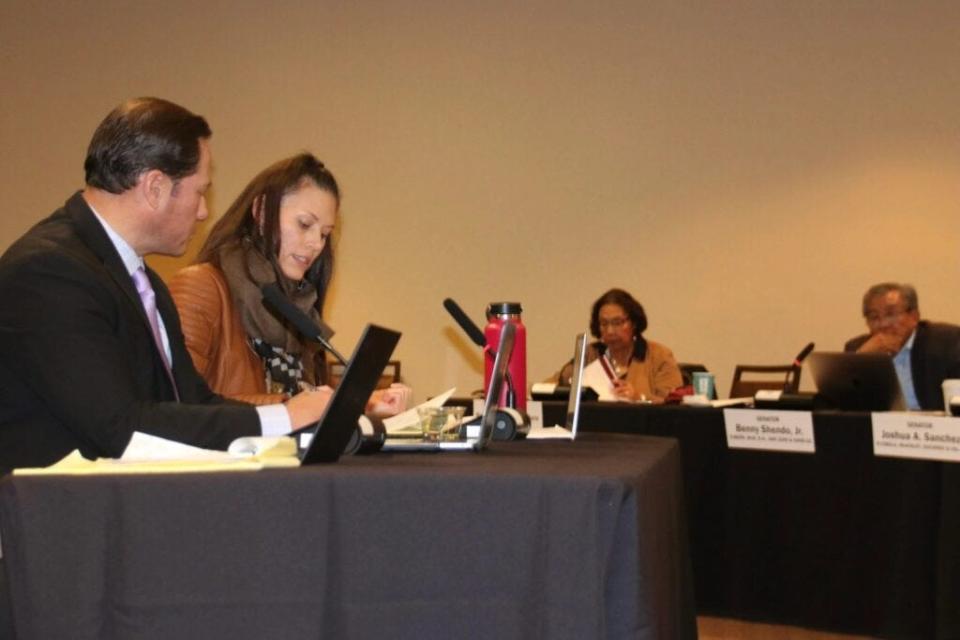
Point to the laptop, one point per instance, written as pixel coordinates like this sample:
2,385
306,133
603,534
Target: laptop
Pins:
576,385
478,435
857,381
330,436
568,431
561,390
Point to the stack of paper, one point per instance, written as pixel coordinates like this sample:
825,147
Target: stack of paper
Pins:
151,454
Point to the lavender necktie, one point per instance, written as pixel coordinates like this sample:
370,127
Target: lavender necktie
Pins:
149,300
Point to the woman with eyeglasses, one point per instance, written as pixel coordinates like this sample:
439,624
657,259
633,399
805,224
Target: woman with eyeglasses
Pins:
644,370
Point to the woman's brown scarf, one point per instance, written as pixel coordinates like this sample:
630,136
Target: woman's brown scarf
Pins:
246,270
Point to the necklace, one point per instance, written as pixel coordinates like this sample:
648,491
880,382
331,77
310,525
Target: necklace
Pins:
620,368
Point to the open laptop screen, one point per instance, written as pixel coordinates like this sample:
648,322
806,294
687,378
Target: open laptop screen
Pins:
479,433
497,380
857,381
576,384
339,421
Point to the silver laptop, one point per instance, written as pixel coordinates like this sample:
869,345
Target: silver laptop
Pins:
482,431
857,381
569,429
576,385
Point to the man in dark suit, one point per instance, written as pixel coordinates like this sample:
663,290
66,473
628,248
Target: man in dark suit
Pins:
84,359
924,353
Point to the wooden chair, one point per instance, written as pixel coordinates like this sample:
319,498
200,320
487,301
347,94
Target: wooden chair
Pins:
784,378
391,374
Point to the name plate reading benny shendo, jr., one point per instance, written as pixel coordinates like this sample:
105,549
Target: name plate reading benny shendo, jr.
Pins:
769,430
915,435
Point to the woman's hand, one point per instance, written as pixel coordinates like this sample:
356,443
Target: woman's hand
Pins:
307,407
389,401
623,390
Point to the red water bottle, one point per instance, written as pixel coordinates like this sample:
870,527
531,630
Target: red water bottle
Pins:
498,314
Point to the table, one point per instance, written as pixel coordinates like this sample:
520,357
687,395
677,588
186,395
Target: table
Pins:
838,540
527,540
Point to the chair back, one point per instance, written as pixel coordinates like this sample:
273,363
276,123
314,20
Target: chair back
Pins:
687,369
784,378
391,374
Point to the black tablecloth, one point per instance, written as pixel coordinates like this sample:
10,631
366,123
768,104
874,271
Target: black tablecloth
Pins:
528,540
838,539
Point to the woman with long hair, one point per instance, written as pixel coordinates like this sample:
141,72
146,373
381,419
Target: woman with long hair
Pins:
277,230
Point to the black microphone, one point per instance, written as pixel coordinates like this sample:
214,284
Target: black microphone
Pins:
802,355
472,330
282,305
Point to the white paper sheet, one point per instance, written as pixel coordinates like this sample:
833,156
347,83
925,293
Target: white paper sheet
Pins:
409,420
151,454
549,433
596,379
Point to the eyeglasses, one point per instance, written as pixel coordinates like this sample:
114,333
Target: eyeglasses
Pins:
613,323
887,317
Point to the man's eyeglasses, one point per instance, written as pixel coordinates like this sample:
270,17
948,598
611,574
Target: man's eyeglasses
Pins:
887,317
613,323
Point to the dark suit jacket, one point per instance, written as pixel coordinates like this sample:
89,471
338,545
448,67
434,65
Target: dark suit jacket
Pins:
79,368
935,357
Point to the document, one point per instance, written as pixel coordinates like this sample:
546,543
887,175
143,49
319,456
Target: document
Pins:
549,433
699,400
409,421
152,454
595,378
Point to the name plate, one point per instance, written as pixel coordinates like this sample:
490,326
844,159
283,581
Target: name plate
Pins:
912,435
790,431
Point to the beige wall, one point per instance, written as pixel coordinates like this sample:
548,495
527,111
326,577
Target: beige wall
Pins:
746,169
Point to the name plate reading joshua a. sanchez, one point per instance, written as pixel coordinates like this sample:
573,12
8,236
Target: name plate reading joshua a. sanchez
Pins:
912,435
770,430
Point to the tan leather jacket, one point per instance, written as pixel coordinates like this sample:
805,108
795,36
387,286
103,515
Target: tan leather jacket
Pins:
215,336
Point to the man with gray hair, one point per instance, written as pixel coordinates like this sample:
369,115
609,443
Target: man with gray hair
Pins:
924,353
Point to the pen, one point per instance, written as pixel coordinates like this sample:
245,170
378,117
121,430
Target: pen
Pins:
608,369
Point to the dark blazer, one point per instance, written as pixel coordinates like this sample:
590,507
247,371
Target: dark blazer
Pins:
79,368
935,357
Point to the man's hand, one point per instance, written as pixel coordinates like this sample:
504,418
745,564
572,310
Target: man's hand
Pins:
888,342
307,407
